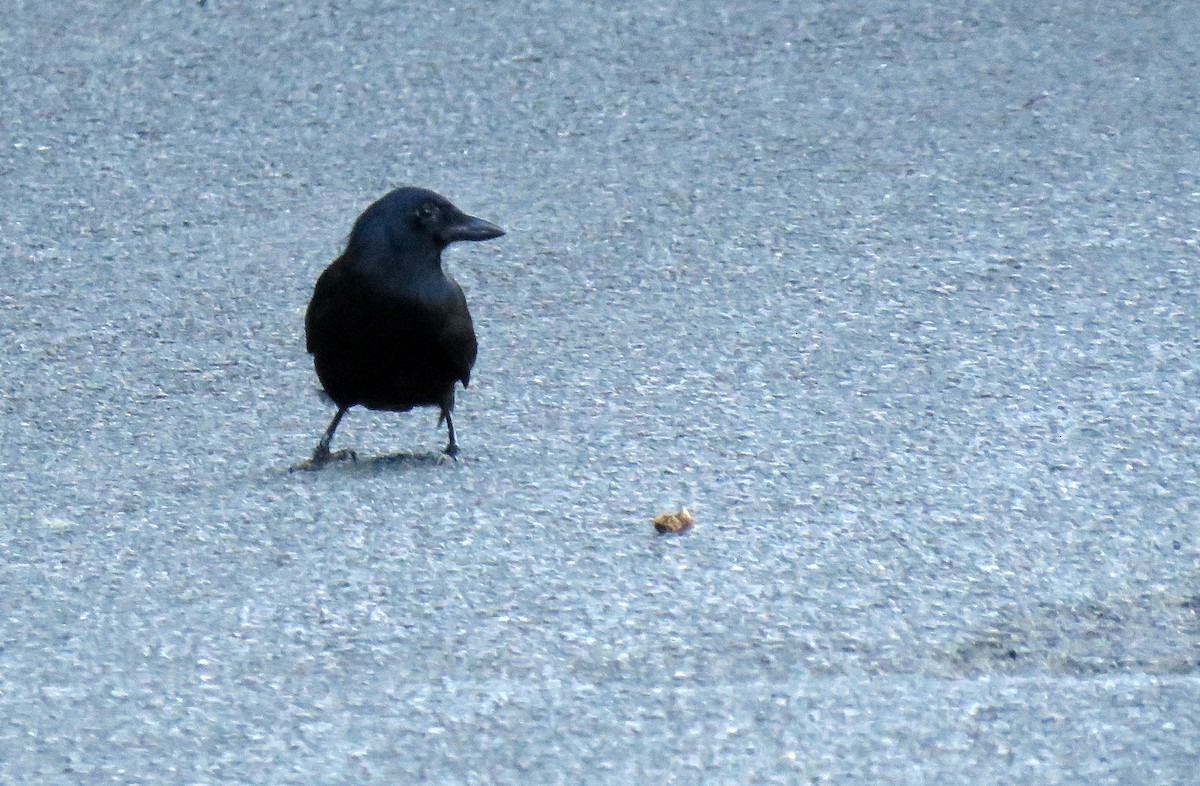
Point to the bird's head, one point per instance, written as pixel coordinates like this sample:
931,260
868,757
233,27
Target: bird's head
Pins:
417,216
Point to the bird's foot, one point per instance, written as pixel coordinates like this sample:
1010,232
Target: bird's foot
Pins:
449,454
323,456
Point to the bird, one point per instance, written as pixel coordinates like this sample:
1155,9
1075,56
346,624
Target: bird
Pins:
388,329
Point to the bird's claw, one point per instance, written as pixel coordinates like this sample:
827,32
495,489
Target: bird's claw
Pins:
323,456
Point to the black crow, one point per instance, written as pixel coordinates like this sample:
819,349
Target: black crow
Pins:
387,328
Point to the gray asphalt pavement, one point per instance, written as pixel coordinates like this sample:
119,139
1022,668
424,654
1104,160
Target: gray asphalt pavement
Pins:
900,300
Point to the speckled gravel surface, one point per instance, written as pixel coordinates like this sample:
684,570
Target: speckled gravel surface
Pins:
902,302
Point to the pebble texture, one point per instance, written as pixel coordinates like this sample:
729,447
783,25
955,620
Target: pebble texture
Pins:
900,300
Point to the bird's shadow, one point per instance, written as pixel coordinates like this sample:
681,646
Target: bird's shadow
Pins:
348,461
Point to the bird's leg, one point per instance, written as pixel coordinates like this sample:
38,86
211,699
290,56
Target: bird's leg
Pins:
452,445
321,454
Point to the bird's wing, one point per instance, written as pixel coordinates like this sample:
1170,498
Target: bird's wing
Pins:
457,338
328,301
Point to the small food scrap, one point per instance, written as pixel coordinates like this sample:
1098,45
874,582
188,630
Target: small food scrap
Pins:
674,523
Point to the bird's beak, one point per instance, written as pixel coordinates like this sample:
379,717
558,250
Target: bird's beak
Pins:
472,228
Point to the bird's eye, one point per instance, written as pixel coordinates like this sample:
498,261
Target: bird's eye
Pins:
428,212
